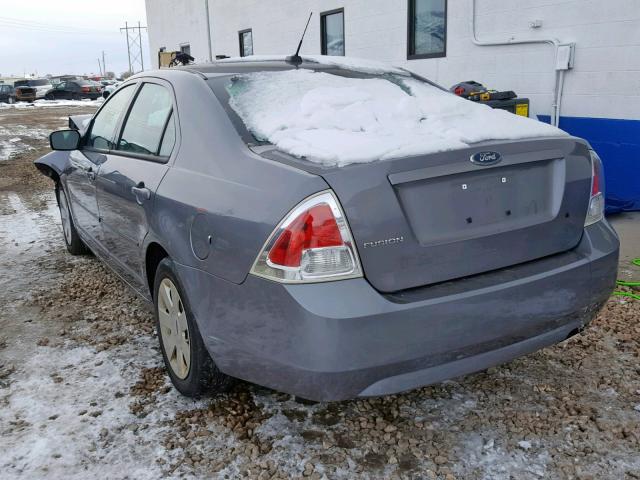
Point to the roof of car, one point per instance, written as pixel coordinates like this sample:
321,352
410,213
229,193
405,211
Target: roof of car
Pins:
257,63
239,67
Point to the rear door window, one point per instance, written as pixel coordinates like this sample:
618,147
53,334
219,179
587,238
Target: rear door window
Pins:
146,121
104,125
169,138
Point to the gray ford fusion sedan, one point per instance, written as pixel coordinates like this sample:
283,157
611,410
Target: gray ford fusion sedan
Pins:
334,230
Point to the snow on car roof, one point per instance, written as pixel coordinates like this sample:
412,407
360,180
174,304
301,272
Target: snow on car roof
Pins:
336,120
350,63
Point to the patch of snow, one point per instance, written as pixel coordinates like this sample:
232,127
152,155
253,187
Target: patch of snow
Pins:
20,224
53,103
9,148
637,408
13,139
46,411
524,444
334,120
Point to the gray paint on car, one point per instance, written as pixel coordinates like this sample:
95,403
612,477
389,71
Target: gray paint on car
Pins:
427,307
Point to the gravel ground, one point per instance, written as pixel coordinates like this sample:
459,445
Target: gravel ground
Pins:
83,392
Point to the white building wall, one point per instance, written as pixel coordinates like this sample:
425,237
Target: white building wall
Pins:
172,23
604,83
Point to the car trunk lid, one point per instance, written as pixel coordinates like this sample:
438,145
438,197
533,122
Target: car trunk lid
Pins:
428,219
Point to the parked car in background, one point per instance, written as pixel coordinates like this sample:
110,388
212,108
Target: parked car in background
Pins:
25,94
7,94
42,85
74,90
334,230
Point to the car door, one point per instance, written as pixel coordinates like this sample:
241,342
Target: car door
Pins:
85,163
127,181
59,91
72,91
4,93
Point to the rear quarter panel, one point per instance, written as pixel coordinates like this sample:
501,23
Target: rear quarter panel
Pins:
219,199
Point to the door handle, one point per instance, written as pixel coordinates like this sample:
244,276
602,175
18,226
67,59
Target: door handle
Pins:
91,175
141,193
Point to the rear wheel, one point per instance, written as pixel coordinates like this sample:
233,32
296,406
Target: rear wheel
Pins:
186,359
72,240
49,96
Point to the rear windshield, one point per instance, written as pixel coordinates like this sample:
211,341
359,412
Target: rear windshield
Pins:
39,83
339,117
228,89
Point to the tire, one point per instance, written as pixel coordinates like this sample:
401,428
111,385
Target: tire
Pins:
72,240
105,95
179,336
49,96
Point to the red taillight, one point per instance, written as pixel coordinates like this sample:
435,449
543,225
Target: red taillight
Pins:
595,178
86,89
458,90
314,228
312,243
595,212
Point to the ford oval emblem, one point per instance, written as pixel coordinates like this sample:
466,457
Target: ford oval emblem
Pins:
486,158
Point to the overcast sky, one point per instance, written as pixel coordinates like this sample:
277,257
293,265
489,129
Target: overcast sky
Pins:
67,36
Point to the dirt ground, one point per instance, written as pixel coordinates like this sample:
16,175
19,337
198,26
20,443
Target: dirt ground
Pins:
83,393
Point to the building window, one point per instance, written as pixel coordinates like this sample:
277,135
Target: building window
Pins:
427,29
185,48
332,32
246,42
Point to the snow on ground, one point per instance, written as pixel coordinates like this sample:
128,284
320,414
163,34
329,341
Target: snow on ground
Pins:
336,120
52,103
16,138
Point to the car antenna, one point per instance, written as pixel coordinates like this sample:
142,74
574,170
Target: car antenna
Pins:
296,59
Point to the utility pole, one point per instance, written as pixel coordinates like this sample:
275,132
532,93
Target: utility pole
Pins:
134,46
99,67
140,45
126,29
206,7
104,66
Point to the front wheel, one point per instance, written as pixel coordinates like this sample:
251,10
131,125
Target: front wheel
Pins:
49,96
186,359
72,240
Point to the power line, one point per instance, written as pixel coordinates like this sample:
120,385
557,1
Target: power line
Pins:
31,23
35,28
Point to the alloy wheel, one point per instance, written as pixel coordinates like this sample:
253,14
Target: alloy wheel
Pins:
174,329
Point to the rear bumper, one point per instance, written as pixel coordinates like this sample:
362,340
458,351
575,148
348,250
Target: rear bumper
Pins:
338,340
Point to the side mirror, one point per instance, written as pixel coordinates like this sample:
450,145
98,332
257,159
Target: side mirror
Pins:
64,140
